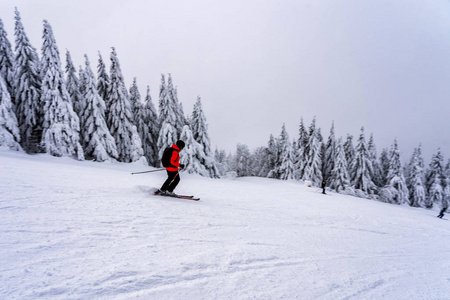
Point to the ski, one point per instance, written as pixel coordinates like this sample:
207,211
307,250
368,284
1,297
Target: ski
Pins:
187,197
180,197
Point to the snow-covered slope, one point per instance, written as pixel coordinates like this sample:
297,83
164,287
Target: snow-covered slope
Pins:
85,230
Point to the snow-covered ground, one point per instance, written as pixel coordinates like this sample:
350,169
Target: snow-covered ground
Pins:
85,230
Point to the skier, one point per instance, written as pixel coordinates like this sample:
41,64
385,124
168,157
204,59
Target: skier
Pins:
441,214
171,161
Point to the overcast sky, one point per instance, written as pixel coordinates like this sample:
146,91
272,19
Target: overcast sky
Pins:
381,64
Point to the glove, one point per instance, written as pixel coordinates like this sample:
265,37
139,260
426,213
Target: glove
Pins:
182,166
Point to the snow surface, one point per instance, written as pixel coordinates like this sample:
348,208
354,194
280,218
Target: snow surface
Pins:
84,230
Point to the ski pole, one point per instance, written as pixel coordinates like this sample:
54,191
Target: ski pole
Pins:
148,171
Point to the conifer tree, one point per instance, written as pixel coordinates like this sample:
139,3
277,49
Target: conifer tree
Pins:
311,131
148,128
168,111
162,99
6,62
339,179
287,166
97,140
384,166
329,155
172,106
395,177
435,180
120,119
446,201
281,149
193,153
272,157
135,101
416,184
259,162
61,124
349,151
27,89
103,83
9,130
200,132
296,157
181,119
73,86
362,168
242,161
301,148
167,137
222,161
377,172
313,168
168,134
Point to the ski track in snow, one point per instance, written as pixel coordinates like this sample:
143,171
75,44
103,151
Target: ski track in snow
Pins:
84,230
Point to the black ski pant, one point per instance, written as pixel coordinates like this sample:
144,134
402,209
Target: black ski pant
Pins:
172,181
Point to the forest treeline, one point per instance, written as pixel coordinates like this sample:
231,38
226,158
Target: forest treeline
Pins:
87,114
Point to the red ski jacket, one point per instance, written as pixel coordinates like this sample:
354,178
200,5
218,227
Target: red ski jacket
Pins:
174,159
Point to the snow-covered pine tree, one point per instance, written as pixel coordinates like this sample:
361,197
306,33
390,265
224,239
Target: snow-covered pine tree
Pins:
377,172
313,168
103,84
172,106
282,140
330,156
200,132
272,157
162,99
6,62
167,137
311,131
61,126
301,148
396,178
339,179
242,161
97,140
384,166
287,166
27,90
148,128
446,201
416,179
193,153
259,162
168,134
295,155
73,86
435,180
168,110
120,119
181,118
362,169
199,127
9,130
81,80
319,135
222,161
349,151
135,101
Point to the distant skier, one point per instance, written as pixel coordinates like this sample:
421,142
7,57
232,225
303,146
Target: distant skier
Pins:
171,161
441,214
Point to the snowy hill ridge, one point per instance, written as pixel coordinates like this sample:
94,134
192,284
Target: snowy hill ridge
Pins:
83,230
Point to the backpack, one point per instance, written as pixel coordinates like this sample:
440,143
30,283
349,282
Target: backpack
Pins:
167,155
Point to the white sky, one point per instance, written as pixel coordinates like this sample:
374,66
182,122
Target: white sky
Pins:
381,64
